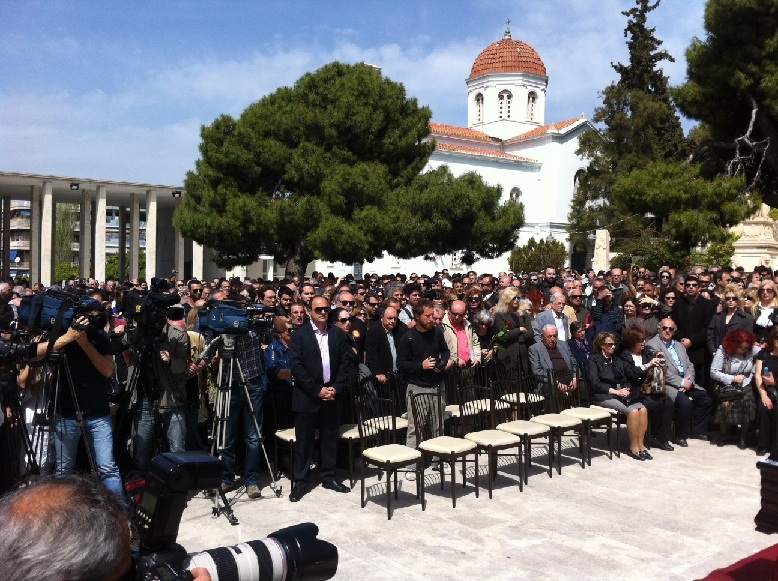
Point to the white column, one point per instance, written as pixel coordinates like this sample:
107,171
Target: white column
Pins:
179,255
85,235
122,242
6,272
47,235
271,264
134,235
197,261
151,234
99,227
35,234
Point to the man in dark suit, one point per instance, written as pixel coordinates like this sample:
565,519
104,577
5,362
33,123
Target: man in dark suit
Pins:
692,315
381,346
320,368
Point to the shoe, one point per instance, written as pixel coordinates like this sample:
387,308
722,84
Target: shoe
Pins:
638,456
720,443
703,437
253,491
646,455
297,493
761,451
742,445
411,475
228,487
665,445
446,468
682,442
335,485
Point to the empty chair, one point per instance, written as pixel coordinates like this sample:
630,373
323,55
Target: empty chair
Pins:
428,422
377,435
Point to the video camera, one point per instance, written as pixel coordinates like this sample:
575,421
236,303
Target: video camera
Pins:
147,310
57,310
290,553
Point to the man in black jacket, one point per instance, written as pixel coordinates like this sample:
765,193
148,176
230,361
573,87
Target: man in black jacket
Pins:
422,356
320,368
381,346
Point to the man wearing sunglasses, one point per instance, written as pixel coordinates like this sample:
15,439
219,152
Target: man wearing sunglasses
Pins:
320,367
680,384
692,314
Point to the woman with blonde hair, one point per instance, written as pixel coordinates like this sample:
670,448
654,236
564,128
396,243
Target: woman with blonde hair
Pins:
731,317
514,332
765,310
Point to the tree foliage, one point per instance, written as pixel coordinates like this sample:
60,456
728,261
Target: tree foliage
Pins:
319,170
732,87
640,184
535,256
65,236
112,266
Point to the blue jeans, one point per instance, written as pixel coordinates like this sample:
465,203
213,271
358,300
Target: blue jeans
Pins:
253,460
99,437
172,424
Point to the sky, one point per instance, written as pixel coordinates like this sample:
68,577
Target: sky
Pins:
119,90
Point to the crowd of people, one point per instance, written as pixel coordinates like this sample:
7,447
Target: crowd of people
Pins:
706,338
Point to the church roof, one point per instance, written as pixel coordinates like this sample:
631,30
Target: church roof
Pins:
545,129
508,56
454,131
483,152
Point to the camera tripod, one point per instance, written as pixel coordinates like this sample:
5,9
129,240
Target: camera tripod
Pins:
229,364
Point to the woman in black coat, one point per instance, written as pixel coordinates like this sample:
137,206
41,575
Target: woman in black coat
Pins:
661,408
731,317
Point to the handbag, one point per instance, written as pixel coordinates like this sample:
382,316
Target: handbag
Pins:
654,382
730,392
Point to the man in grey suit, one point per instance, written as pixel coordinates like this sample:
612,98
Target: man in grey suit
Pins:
553,316
679,381
553,356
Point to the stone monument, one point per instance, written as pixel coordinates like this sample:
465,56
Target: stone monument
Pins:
601,259
758,243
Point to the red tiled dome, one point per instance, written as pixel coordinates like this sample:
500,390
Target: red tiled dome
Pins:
508,56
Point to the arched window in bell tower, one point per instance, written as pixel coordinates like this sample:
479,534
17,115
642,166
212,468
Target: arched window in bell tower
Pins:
504,100
479,108
532,106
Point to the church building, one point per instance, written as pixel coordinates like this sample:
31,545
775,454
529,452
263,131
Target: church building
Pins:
509,143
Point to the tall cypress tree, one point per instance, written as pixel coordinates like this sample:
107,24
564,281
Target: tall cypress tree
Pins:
638,125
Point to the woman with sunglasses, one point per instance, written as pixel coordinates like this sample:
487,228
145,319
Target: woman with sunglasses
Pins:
731,317
667,299
610,386
765,310
474,299
645,318
342,319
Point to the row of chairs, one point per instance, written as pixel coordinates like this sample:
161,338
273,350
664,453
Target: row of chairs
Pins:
492,419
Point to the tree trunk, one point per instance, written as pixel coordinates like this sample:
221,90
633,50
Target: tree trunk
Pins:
298,261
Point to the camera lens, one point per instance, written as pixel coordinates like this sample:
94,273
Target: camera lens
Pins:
290,553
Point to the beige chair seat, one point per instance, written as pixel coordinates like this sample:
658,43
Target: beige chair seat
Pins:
399,423
611,411
557,421
392,454
588,414
486,405
288,435
351,431
494,438
447,445
524,428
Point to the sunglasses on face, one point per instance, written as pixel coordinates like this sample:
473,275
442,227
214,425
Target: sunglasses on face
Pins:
668,328
609,344
321,310
344,320
730,298
348,303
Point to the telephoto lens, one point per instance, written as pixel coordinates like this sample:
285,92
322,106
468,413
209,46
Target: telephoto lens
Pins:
293,553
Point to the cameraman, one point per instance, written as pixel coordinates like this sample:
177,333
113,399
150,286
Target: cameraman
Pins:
248,351
88,363
158,365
